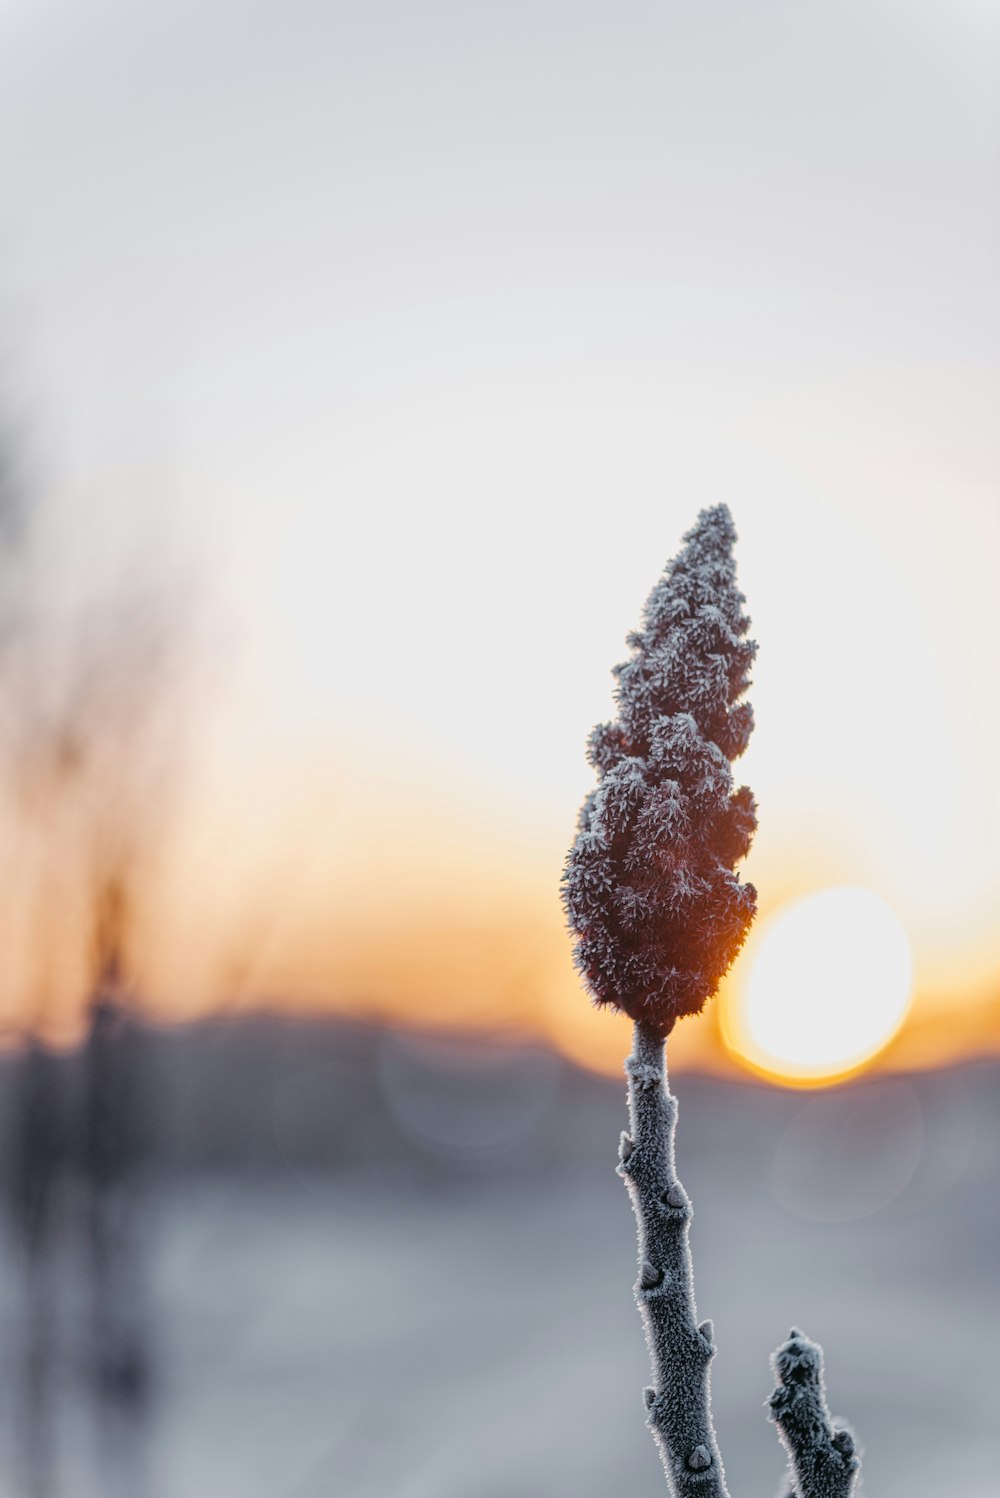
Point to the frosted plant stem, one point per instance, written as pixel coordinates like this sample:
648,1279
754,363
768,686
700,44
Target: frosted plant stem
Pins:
823,1457
678,1404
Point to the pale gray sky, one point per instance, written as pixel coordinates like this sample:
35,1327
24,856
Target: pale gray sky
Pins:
429,328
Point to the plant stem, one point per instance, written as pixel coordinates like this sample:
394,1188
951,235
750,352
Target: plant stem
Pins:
823,1457
678,1404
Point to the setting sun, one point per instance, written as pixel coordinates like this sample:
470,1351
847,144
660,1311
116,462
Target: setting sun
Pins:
827,986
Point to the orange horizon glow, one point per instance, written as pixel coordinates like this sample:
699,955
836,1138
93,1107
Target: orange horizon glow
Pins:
401,859
428,903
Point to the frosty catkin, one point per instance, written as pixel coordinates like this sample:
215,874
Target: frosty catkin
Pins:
649,886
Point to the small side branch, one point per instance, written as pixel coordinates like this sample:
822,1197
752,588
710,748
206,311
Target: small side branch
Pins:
823,1457
678,1404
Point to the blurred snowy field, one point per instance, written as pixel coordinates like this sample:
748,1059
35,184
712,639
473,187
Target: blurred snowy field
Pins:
416,1282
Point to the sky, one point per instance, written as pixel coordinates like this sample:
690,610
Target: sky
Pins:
415,337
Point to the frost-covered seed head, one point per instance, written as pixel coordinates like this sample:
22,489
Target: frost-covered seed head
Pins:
649,886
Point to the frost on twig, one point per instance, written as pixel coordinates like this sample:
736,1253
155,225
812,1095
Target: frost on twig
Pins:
823,1456
678,1404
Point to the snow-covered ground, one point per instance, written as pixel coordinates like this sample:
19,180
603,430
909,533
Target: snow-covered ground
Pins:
449,1320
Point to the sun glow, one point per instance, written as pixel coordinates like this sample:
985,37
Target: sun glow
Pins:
828,984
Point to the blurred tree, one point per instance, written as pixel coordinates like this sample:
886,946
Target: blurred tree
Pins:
37,1141
88,747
